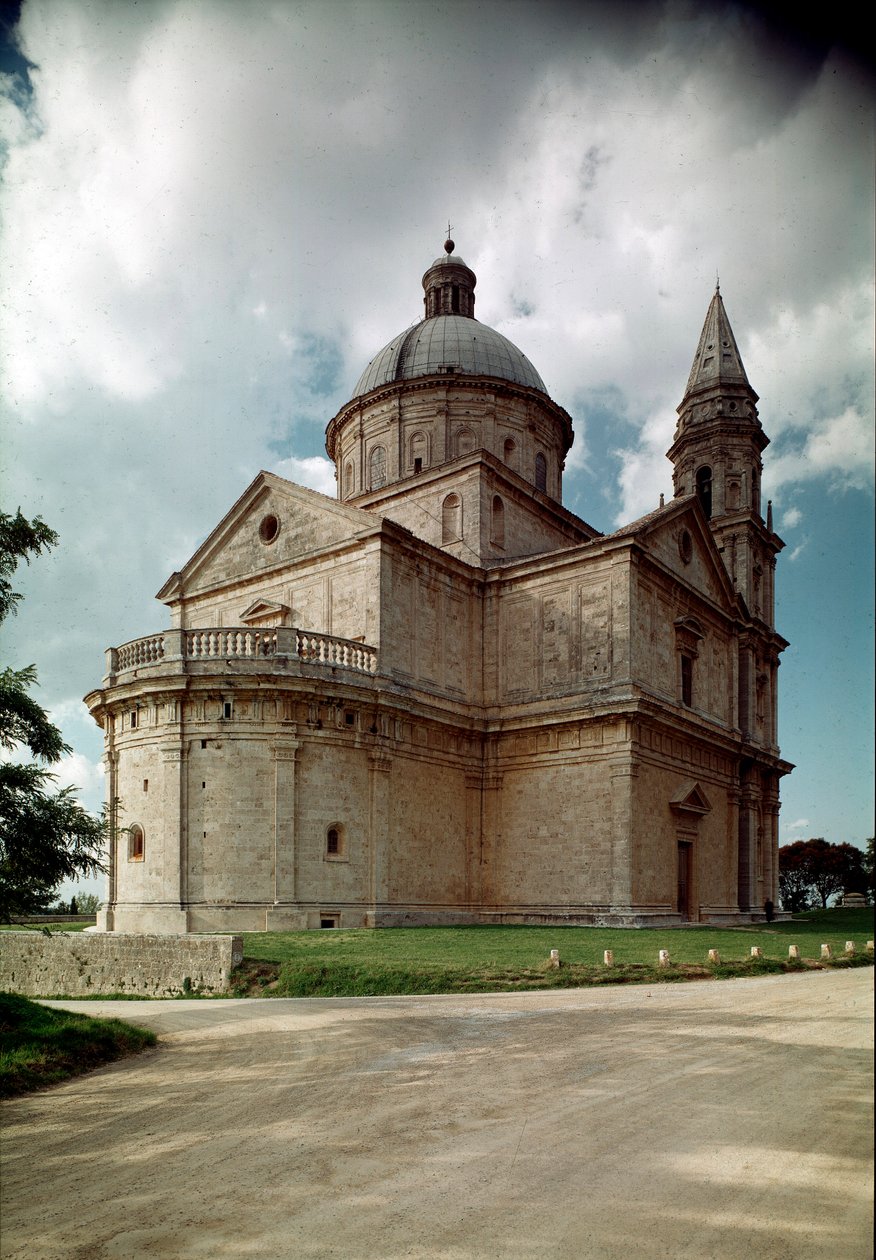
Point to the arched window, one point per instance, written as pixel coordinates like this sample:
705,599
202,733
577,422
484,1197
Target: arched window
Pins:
451,519
136,843
377,468
704,489
541,472
335,841
497,522
509,451
417,449
349,480
465,442
755,491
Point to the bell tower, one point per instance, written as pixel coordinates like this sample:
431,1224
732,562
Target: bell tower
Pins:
716,454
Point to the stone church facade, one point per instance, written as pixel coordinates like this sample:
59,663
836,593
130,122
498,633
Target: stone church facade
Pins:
444,698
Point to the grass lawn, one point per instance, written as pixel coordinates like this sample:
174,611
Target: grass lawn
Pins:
481,959
41,1046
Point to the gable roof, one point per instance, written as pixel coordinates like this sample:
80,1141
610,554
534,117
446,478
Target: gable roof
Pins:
316,521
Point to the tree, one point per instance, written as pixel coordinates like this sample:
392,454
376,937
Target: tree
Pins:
868,870
46,836
814,870
794,885
830,868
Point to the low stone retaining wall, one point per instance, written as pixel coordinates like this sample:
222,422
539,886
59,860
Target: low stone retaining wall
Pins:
79,964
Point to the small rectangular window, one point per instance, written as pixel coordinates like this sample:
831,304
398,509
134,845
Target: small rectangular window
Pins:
203,743
328,921
133,719
145,785
687,681
226,709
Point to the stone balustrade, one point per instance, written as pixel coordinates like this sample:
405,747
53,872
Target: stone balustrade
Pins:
219,644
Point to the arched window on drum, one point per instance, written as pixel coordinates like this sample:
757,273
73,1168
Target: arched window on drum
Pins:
451,519
377,468
541,473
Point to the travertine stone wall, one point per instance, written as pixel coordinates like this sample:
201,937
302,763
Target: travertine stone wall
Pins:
80,964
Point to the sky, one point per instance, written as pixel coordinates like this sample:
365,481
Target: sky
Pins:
214,213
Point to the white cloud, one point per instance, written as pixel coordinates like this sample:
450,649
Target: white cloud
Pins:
316,472
86,777
791,518
840,448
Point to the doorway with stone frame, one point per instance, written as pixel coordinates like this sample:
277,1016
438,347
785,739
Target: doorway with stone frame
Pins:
684,892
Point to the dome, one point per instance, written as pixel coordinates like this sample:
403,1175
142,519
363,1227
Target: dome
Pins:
448,341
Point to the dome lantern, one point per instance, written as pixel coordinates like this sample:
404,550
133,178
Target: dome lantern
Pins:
449,285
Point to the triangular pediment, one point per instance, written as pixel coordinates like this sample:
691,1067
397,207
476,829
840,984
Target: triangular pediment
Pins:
263,610
679,539
274,524
690,799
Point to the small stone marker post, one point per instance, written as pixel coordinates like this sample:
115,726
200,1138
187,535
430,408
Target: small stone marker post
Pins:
555,958
850,947
793,951
756,951
663,958
714,956
870,946
826,951
608,958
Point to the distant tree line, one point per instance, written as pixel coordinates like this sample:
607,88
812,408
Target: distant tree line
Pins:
813,871
84,903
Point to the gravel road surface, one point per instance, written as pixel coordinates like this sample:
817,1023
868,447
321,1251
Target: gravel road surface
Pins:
712,1120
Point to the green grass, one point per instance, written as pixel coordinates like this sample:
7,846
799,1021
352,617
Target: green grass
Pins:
489,959
41,1046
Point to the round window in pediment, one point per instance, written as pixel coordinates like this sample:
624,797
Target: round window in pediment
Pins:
685,546
269,528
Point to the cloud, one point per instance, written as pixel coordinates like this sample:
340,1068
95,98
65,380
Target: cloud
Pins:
840,448
85,776
791,518
316,472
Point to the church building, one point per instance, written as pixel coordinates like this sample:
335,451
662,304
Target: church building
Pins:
442,697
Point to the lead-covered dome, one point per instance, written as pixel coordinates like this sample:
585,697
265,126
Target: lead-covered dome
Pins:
448,343
447,393
449,339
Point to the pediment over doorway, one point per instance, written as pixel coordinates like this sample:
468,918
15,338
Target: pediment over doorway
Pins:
690,799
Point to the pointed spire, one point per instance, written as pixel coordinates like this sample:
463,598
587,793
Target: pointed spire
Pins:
717,360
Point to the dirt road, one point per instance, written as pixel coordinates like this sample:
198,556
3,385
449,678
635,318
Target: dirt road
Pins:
719,1120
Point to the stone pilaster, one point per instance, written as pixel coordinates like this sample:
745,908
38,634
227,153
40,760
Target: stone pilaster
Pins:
623,788
175,770
379,825
285,822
